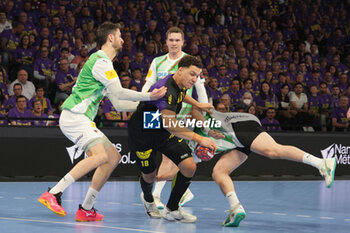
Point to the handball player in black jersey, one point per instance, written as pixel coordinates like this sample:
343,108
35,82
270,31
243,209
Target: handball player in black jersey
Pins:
167,139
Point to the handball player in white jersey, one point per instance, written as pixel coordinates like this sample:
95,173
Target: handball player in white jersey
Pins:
240,134
96,79
160,67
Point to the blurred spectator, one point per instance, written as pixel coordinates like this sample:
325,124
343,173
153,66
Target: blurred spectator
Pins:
43,69
220,107
299,103
139,63
20,111
335,96
269,123
246,100
213,91
38,112
314,103
339,120
4,23
11,102
28,88
266,99
3,86
226,101
65,79
125,80
285,113
45,102
110,113
137,79
82,56
234,92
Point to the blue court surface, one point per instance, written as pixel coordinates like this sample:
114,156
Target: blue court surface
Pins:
271,206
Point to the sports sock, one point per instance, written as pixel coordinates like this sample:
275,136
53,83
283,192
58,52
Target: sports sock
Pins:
232,199
158,188
312,160
90,198
62,184
147,190
179,186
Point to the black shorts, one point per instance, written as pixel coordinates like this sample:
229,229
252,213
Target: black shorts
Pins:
146,156
246,132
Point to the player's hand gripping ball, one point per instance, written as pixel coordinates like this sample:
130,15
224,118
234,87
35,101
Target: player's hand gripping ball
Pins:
204,153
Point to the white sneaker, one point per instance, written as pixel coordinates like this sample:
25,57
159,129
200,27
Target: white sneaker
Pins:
328,170
151,208
179,215
188,196
235,216
158,202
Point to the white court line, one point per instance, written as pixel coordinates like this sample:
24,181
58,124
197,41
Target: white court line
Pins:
79,224
67,200
1,197
138,204
208,209
279,214
113,203
303,216
256,212
347,219
19,198
330,218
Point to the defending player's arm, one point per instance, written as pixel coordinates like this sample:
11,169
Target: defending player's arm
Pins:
202,106
169,117
151,77
201,92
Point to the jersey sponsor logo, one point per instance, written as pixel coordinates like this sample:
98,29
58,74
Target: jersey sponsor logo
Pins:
149,74
339,151
93,125
151,120
144,154
161,75
111,74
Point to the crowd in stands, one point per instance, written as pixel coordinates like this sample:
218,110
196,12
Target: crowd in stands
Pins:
286,61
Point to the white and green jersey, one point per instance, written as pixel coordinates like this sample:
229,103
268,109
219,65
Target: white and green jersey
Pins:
90,88
227,119
161,67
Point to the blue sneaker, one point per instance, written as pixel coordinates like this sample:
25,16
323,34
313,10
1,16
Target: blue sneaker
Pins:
235,217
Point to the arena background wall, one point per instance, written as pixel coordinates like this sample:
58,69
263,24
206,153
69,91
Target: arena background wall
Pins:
42,152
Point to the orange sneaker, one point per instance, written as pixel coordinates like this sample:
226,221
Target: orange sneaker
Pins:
84,215
53,202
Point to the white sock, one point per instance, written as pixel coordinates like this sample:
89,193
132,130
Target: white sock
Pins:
312,160
62,184
232,199
158,187
90,198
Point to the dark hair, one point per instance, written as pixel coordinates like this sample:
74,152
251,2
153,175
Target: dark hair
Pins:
20,96
189,60
104,30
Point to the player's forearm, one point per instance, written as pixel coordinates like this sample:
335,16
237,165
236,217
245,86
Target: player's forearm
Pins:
126,94
189,100
122,105
184,133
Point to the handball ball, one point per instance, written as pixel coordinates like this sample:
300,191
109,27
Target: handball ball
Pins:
204,153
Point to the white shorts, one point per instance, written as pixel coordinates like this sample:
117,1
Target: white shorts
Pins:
79,128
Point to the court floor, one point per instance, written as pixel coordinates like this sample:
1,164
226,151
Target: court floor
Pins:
271,206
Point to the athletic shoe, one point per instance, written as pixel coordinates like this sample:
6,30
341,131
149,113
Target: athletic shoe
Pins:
179,215
151,208
235,217
327,170
84,215
53,202
158,202
188,196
